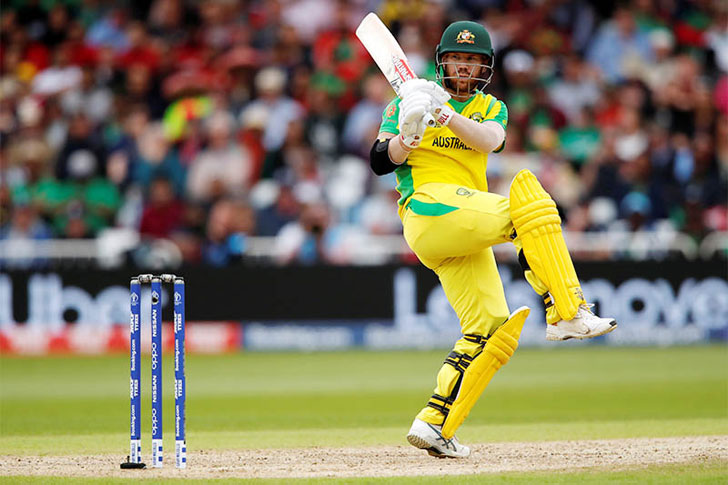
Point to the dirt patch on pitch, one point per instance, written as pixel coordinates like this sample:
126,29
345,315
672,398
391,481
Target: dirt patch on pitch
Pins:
391,460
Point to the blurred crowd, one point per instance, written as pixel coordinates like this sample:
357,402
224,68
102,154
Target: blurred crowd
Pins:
207,122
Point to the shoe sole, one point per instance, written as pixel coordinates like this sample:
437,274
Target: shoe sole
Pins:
558,338
418,442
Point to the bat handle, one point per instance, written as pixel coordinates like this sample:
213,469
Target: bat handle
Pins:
429,120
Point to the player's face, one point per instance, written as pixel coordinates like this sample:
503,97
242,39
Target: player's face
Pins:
462,68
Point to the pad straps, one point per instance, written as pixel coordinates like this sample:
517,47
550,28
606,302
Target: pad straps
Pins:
460,362
475,338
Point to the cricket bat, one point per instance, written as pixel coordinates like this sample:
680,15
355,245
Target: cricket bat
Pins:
387,54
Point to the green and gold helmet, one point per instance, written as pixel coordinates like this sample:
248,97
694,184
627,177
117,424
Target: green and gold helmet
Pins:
469,37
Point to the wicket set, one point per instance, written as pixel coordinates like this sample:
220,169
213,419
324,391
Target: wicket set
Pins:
135,452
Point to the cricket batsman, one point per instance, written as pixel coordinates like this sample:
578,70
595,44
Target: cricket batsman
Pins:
451,221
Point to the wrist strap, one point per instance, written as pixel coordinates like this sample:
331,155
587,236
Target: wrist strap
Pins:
443,114
404,146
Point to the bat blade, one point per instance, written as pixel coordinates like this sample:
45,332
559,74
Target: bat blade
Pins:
384,49
387,54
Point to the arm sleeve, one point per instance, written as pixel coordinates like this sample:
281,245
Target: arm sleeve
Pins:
379,158
379,155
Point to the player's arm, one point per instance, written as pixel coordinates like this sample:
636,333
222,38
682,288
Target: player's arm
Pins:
388,153
483,137
401,132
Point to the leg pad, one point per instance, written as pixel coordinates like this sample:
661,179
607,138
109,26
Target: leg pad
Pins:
496,353
538,225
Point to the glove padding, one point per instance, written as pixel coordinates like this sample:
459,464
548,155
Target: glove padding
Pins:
412,86
439,97
440,111
438,93
412,110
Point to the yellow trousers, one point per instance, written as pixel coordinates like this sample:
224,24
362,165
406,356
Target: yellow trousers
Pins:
451,230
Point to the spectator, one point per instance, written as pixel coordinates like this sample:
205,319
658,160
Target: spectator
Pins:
56,30
602,177
82,141
324,122
93,100
287,50
140,89
155,158
518,68
576,90
305,241
240,64
270,83
717,40
706,184
337,51
251,137
24,225
375,214
218,27
283,209
6,201
108,31
227,228
631,139
580,141
27,162
309,17
362,122
618,41
164,212
621,111
58,78
141,51
223,168
90,200
166,20
636,209
683,95
659,72
32,18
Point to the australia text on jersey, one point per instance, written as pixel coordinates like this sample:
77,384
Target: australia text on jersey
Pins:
449,142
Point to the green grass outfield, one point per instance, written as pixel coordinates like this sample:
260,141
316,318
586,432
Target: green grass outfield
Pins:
80,405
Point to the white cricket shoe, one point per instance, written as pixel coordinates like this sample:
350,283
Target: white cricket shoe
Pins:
584,325
428,437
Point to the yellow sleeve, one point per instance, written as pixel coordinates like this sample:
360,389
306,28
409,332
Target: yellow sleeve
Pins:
498,112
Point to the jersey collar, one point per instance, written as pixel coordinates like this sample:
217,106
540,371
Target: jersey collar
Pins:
458,106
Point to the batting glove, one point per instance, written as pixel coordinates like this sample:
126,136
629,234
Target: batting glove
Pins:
412,111
439,98
412,86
